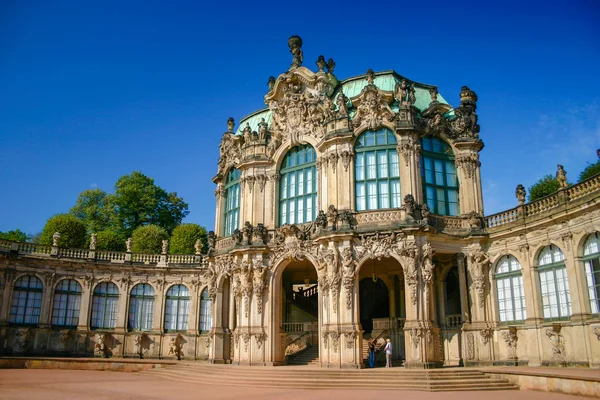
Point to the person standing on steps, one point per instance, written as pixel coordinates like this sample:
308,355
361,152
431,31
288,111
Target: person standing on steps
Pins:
372,353
388,353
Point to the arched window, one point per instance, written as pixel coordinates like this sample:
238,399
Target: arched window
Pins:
509,284
105,302
26,301
556,301
141,307
232,201
177,308
440,185
591,257
377,176
67,300
205,311
298,186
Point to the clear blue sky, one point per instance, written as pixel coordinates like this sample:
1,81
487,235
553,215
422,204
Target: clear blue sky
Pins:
90,91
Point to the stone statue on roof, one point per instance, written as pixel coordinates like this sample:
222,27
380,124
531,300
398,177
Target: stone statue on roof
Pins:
295,44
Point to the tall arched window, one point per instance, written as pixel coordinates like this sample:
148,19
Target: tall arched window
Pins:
440,185
509,284
105,303
591,259
232,201
205,311
177,308
556,301
26,301
141,307
377,175
67,300
298,186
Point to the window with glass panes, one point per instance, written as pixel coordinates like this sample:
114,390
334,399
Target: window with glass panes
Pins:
440,184
177,308
509,284
376,171
67,301
591,262
232,201
298,186
105,303
26,301
141,307
556,300
205,311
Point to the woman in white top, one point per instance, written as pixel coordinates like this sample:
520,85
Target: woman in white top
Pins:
388,353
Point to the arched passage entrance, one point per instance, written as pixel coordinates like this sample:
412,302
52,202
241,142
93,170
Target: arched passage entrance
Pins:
382,306
297,313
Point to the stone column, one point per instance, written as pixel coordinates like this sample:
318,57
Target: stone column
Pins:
462,280
468,173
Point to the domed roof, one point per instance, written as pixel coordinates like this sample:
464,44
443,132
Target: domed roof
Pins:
351,87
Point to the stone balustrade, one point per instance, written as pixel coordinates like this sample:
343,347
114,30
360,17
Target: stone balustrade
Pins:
562,198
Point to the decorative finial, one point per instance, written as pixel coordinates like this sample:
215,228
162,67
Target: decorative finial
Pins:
321,63
521,194
230,124
330,66
295,45
561,177
271,83
468,97
370,76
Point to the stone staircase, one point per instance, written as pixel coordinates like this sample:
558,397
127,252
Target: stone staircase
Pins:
303,377
308,356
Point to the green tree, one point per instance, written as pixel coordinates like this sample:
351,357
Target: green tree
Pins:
544,187
148,239
16,236
94,208
589,171
109,240
184,237
72,231
138,201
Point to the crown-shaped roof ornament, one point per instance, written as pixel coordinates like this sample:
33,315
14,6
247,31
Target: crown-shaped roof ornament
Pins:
295,45
467,96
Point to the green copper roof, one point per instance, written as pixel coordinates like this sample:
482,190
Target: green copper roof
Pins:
385,80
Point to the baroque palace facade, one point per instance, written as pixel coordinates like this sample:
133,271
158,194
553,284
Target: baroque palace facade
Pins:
345,210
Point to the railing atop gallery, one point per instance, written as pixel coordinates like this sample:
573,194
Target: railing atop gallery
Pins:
561,197
443,222
377,217
47,251
299,327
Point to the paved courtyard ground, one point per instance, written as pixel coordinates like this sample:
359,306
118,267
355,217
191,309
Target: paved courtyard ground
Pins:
21,384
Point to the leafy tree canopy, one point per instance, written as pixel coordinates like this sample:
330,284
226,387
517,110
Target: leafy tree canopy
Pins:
148,239
589,171
16,236
109,240
72,231
94,208
184,237
544,187
137,201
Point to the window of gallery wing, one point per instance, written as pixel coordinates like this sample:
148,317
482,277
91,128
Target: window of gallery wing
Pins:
554,285
141,307
440,183
509,286
232,201
376,171
298,186
591,262
105,303
205,311
177,308
67,301
26,301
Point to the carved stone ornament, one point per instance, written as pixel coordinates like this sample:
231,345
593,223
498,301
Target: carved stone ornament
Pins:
347,157
372,108
342,105
409,256
349,272
325,338
479,263
93,241
101,344
470,346
350,339
176,346
300,104
436,125
408,147
427,263
379,244
465,124
409,205
469,162
335,340
246,338
486,334
561,177
295,45
558,343
259,283
55,239
510,338
260,338
230,151
520,193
